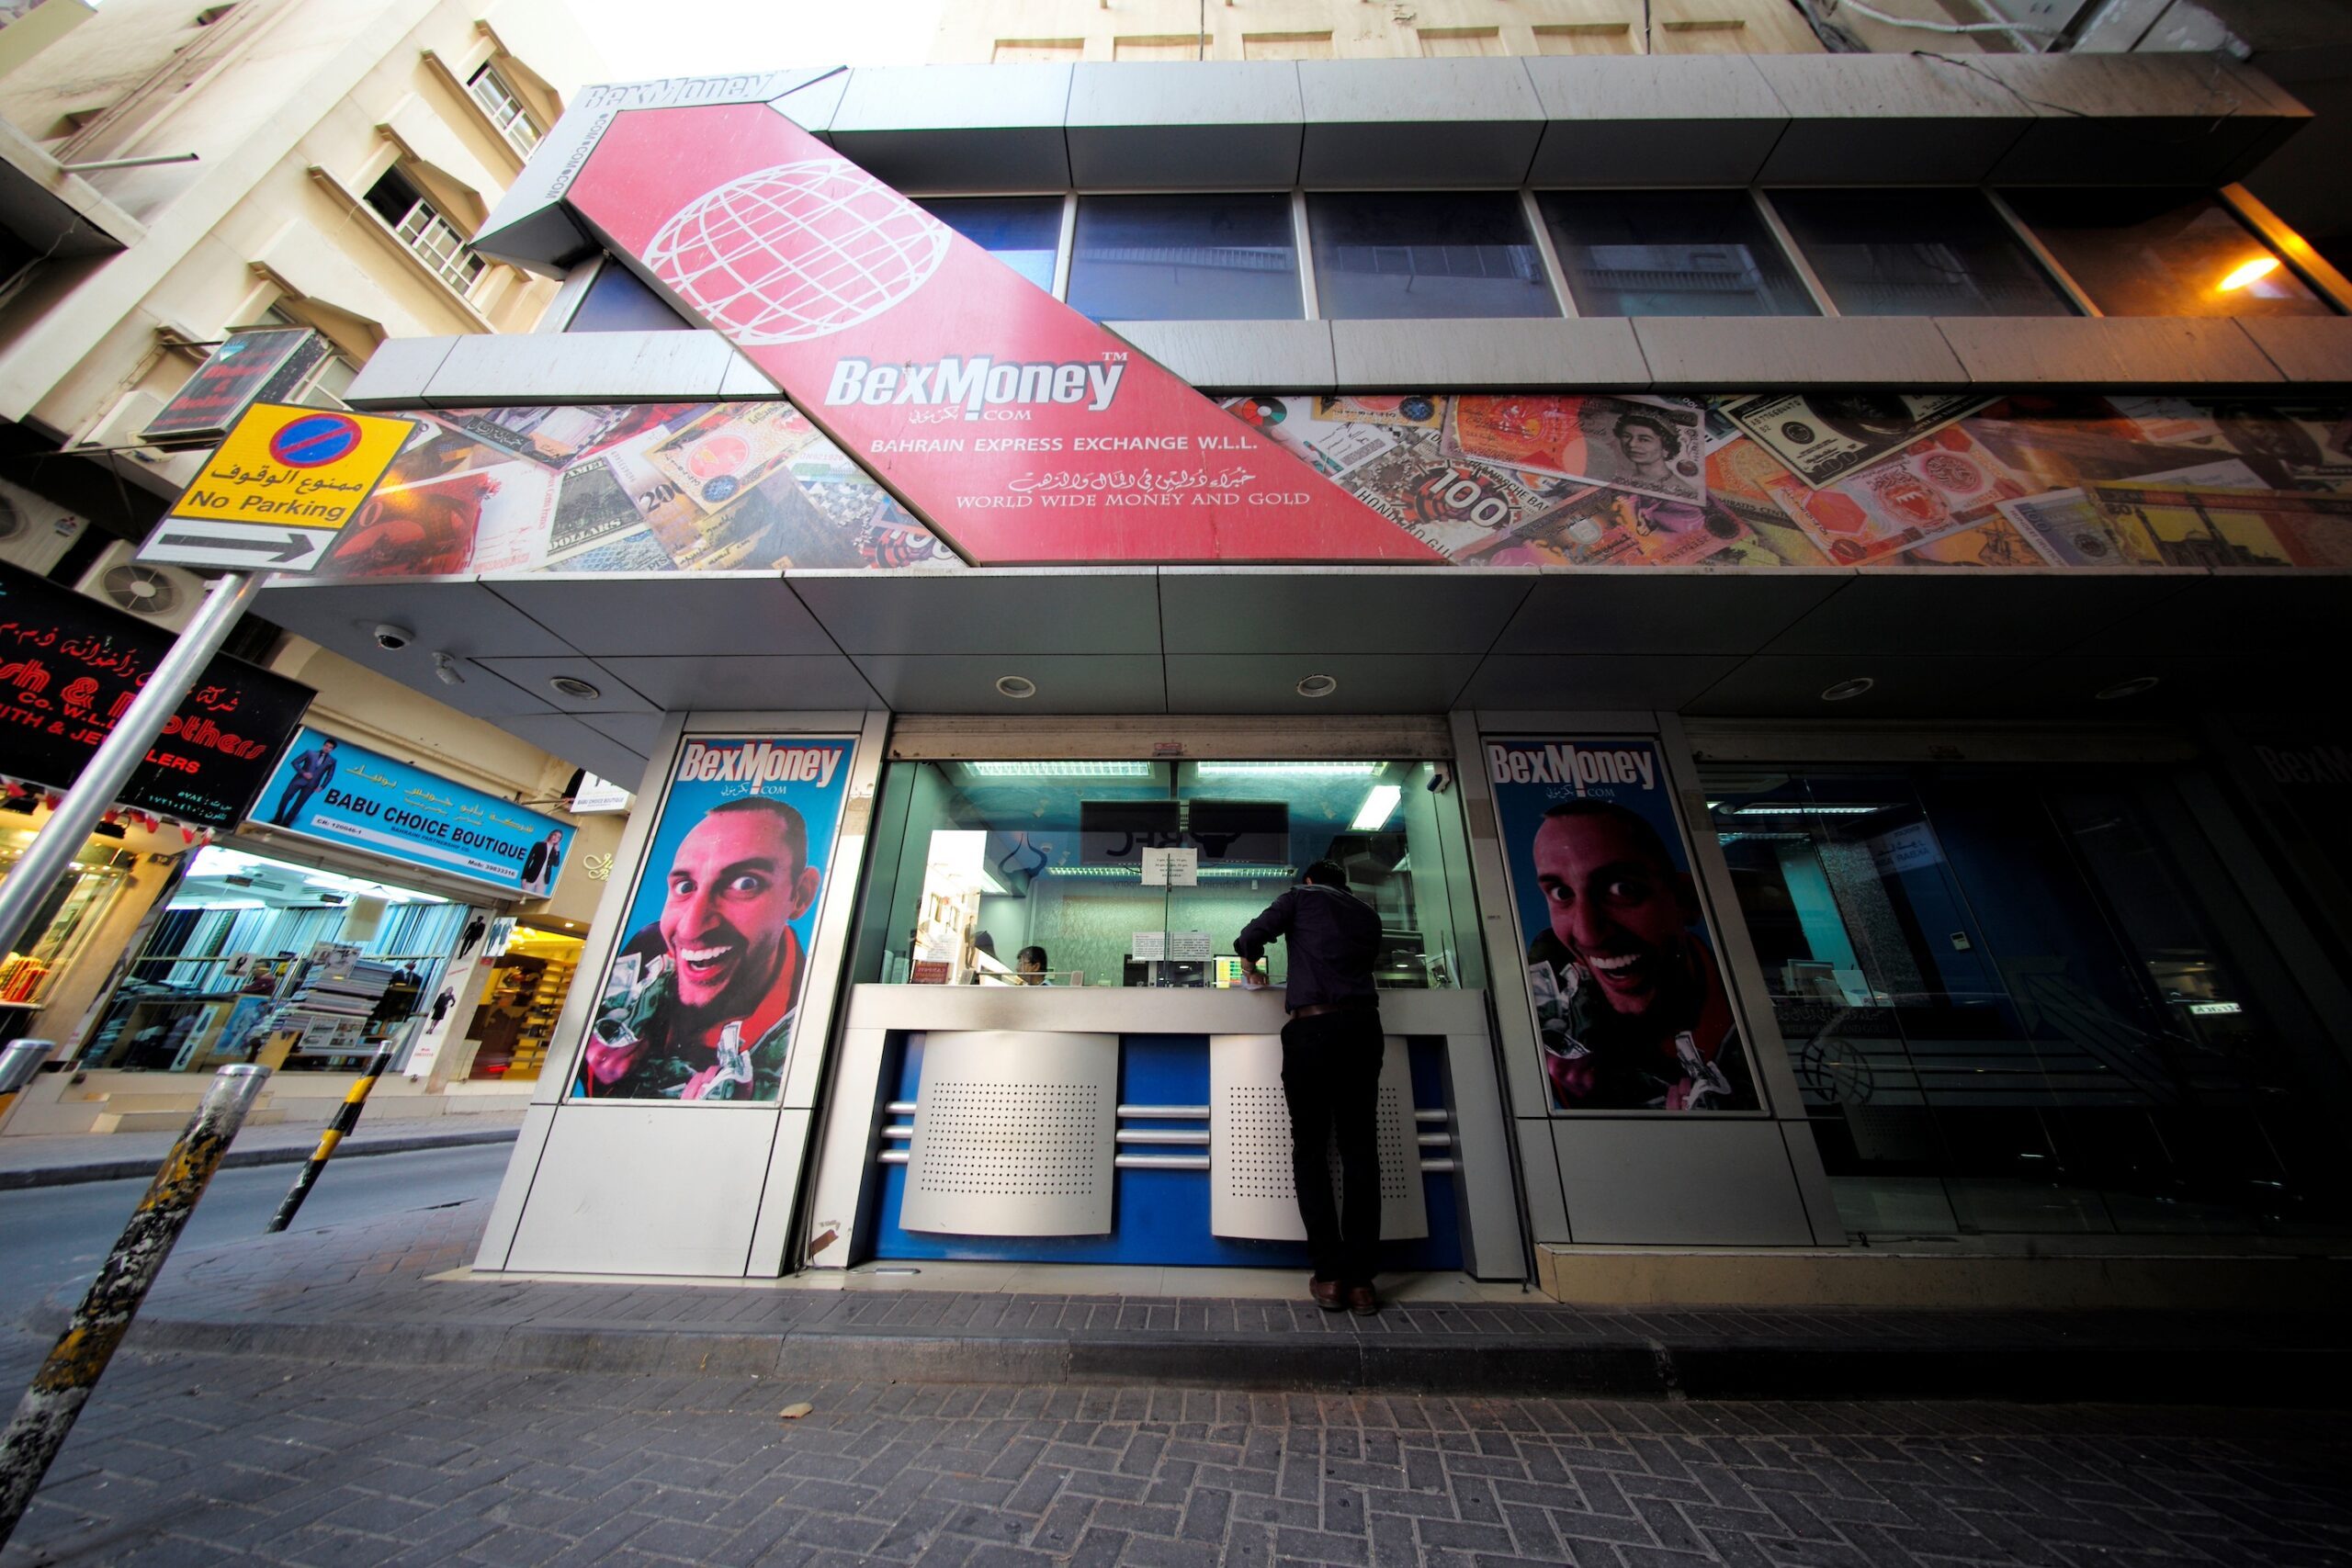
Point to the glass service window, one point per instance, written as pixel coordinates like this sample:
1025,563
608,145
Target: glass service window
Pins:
2028,1000
1024,233
505,109
1176,258
2162,253
435,240
1916,253
996,858
1661,252
1425,254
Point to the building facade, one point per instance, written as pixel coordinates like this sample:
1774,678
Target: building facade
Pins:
176,173
1795,583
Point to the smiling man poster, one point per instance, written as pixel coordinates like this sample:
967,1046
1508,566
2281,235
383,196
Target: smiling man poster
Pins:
701,998
1629,1005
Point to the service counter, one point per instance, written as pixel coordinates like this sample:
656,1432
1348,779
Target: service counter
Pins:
1140,1125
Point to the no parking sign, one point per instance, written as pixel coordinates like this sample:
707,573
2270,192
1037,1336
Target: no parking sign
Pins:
278,487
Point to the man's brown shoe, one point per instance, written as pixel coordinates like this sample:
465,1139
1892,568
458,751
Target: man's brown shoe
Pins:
1326,1293
1362,1300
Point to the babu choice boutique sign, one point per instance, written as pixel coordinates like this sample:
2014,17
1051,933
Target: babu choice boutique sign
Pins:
341,794
1016,427
70,668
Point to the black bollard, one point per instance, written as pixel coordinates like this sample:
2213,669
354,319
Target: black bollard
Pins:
347,1117
65,1381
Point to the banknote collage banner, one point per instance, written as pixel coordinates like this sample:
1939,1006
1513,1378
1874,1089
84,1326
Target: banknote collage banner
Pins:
626,487
1871,479
1839,479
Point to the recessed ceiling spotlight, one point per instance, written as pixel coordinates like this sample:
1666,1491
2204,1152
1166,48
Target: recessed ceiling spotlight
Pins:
1318,687
1846,690
2122,689
572,687
1020,688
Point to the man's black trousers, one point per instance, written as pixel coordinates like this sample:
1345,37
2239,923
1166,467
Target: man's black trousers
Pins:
1332,1080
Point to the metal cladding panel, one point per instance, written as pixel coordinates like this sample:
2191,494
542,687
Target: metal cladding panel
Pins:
1229,125
646,1189
1685,1181
1368,682
747,682
1066,683
589,367
1720,353
396,375
1115,611
1013,1134
1650,120
1004,126
1610,680
2014,611
1399,123
1253,1194
456,615
1390,610
1653,611
669,613
534,675
1018,429
1253,357
2110,350
2305,348
1597,353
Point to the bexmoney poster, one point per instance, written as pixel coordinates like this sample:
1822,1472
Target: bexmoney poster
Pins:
1630,1009
701,999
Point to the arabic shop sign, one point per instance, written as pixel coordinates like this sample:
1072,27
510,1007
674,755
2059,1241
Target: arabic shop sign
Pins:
341,794
248,367
70,667
278,487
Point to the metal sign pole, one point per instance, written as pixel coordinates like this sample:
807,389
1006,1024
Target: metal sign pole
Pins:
110,767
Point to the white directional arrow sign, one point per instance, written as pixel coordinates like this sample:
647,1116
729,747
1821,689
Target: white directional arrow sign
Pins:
244,547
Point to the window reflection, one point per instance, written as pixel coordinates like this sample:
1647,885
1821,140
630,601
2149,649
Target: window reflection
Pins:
2162,253
1428,253
1172,258
999,858
1024,233
1656,252
2010,1006
1916,253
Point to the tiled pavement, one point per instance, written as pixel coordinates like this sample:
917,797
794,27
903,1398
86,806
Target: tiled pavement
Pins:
369,1294
191,1459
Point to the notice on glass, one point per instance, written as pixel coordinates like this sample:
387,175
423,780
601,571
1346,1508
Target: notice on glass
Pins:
1149,944
1189,947
1171,868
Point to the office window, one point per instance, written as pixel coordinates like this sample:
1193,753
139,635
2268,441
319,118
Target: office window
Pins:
2164,253
1390,255
1656,252
1916,253
619,301
505,109
1174,258
1022,232
437,242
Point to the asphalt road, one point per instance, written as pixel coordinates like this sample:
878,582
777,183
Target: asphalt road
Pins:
53,1238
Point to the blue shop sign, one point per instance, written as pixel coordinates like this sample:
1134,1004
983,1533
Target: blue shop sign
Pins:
326,788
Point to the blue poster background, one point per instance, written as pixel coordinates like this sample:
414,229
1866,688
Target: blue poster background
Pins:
365,800
810,774
1594,1057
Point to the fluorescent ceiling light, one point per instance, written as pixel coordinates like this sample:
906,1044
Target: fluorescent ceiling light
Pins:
1377,807
1059,769
1768,811
1300,770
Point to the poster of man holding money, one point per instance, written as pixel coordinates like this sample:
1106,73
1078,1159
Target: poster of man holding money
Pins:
1630,1009
701,1000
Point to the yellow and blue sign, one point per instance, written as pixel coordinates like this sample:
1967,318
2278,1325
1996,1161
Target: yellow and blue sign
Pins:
278,487
329,789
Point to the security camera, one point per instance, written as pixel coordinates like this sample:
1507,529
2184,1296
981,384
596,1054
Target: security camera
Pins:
392,638
1440,779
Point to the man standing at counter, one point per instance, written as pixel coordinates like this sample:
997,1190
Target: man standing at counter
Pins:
1331,1050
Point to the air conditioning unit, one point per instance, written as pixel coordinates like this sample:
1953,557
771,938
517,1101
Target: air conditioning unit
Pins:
35,532
160,595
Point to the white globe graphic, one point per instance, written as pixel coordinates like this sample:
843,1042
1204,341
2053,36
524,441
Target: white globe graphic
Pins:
798,252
